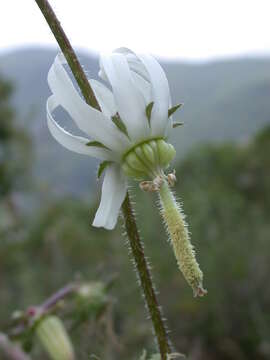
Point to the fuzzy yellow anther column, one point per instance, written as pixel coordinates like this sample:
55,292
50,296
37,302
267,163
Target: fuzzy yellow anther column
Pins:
179,235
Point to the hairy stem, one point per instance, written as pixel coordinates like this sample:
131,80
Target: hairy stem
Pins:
68,51
130,222
145,279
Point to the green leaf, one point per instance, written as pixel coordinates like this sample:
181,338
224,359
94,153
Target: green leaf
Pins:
173,109
96,144
176,124
119,123
148,110
102,166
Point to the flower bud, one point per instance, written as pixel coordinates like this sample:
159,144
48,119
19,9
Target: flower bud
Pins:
92,291
54,338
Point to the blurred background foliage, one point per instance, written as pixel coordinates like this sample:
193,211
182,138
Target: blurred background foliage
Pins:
225,189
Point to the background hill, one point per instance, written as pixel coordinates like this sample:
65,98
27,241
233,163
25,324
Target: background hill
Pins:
224,100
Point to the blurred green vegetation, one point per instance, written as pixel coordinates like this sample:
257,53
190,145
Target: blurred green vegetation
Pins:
226,194
14,144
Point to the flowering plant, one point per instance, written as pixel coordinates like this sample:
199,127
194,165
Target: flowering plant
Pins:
129,135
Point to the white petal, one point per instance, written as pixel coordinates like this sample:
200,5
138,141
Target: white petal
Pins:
150,70
160,95
114,190
71,142
104,97
134,63
129,101
88,119
144,87
139,73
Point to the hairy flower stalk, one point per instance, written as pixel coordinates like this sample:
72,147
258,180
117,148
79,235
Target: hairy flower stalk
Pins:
178,232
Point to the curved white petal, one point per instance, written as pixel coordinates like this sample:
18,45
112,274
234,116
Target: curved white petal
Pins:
73,143
134,63
88,119
150,70
114,190
144,87
104,97
129,101
138,71
160,95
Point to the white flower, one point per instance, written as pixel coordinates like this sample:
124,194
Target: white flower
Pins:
134,112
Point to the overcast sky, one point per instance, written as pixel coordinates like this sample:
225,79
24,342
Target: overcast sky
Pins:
193,29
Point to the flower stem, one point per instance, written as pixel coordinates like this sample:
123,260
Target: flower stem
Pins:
145,279
183,249
11,350
130,222
42,309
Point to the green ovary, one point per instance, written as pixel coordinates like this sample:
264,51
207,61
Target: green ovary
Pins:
148,159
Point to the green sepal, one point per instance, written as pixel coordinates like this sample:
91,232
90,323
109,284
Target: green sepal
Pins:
102,166
96,144
173,109
148,110
176,124
119,123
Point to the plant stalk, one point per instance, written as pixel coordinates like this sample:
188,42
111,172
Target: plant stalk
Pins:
130,222
11,350
68,52
146,282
